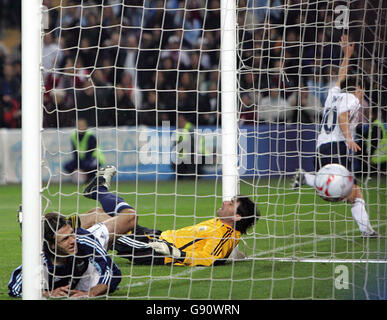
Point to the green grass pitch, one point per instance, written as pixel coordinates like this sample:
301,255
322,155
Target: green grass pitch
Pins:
293,224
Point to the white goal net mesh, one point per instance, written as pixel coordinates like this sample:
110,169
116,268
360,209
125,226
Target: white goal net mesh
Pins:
145,74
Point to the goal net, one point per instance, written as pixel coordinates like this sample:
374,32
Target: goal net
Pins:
167,88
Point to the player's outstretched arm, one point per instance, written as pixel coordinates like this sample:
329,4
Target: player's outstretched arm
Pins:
348,50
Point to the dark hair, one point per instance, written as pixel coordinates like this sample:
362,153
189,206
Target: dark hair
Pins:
351,82
53,221
249,212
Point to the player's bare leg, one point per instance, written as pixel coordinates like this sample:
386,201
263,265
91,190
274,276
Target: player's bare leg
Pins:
359,213
93,216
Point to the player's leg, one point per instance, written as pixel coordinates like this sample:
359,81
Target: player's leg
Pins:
88,219
356,199
135,248
359,212
98,189
93,216
70,166
122,216
108,228
301,177
121,224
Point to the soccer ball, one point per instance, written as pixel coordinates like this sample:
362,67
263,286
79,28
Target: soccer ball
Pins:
333,182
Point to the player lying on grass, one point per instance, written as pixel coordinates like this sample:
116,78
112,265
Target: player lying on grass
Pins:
204,244
207,243
335,143
75,259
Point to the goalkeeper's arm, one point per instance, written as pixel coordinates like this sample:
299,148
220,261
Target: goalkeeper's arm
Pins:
206,256
168,249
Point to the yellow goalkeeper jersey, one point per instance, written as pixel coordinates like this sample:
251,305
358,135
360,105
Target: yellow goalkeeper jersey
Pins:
203,243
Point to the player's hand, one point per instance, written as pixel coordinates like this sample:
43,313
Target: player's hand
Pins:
346,46
79,294
60,292
352,145
166,249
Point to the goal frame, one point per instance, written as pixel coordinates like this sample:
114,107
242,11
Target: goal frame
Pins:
31,146
32,26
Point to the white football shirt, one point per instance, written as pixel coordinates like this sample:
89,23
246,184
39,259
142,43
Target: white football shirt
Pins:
336,103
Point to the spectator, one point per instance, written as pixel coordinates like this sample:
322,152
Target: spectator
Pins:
131,53
11,112
85,104
266,11
307,107
56,112
4,52
87,53
92,29
131,90
212,18
209,106
51,54
148,56
126,112
147,113
154,41
273,108
175,51
10,84
192,27
320,82
248,110
187,95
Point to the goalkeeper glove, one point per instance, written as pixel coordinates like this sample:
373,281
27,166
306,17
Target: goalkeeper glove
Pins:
20,216
20,219
167,249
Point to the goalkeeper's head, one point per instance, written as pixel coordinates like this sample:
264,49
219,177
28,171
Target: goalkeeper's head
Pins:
240,212
59,237
249,213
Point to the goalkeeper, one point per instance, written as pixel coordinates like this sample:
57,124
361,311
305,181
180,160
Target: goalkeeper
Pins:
75,259
207,243
204,244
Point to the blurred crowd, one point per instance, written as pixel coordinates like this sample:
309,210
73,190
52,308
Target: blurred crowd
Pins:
132,62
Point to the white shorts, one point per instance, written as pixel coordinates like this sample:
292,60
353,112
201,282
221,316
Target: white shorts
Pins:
101,233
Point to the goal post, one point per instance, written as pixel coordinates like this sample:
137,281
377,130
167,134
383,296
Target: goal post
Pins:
230,178
31,148
255,76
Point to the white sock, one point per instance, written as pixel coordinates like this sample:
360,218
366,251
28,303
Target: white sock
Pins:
309,179
359,213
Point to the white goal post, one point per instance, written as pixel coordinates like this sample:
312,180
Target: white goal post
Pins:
33,21
31,146
229,100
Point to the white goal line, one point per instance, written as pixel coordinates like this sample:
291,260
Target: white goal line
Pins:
257,257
